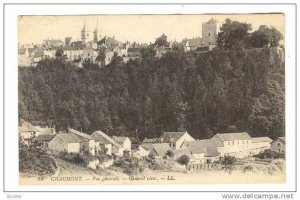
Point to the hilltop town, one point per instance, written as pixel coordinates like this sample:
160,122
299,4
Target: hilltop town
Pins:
92,48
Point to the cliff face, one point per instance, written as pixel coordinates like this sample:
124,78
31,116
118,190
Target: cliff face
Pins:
201,93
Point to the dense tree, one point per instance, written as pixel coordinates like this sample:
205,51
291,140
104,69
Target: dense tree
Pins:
161,41
233,34
264,37
201,93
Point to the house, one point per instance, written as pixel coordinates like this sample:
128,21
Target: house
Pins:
180,152
102,144
125,142
192,44
157,149
144,150
160,149
175,139
260,144
87,142
206,151
116,148
278,145
44,139
65,142
235,144
27,132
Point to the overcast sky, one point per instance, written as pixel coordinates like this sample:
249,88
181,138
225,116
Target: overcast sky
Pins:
139,28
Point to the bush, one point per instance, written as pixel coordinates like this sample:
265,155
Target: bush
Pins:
128,165
77,159
249,168
151,156
280,164
35,161
184,160
273,169
228,162
170,153
270,154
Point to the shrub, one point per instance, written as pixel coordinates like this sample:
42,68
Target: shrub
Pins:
270,154
280,164
228,162
151,156
35,161
249,168
170,153
165,157
273,169
128,165
184,160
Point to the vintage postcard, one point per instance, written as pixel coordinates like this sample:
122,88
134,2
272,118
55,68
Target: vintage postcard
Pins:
151,99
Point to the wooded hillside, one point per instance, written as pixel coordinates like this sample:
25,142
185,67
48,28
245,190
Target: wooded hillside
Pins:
203,93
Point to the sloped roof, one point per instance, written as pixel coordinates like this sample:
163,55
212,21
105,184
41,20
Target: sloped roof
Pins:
119,139
68,138
171,136
161,148
208,146
147,146
281,139
96,134
261,139
27,127
233,136
45,137
194,42
181,152
109,41
80,134
45,130
150,140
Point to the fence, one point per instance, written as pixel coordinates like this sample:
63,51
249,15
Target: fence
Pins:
201,166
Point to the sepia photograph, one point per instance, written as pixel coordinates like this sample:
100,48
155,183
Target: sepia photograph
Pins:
151,99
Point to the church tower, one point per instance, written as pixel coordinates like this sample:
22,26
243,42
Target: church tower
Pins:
96,33
209,32
85,34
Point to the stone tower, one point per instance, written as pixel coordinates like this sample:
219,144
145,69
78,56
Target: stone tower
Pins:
85,34
95,39
209,32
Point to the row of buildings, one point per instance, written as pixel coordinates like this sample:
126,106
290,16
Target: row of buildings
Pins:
73,141
238,145
100,50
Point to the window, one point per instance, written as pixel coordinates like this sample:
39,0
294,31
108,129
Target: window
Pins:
228,143
208,34
238,142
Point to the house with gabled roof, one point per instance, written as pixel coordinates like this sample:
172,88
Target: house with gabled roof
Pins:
103,145
207,150
27,132
125,142
116,149
235,144
65,142
175,139
278,145
157,149
87,142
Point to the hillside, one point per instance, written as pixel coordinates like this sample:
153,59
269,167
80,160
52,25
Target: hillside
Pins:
202,93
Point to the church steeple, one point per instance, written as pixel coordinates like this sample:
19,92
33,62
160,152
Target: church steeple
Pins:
96,33
85,33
